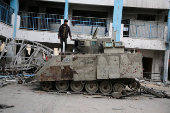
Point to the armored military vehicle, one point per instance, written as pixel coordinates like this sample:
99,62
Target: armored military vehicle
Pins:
97,65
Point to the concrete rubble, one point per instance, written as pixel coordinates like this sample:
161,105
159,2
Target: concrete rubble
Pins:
157,89
11,79
157,93
147,89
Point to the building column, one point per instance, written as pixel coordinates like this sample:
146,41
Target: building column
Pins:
168,37
66,10
11,49
166,65
15,5
117,18
167,52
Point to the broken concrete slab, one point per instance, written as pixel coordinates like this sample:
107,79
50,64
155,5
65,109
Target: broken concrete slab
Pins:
157,93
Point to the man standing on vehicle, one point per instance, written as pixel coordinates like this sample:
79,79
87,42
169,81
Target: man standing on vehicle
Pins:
64,30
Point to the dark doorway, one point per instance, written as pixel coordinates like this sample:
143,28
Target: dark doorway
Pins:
147,67
33,9
169,71
59,11
85,13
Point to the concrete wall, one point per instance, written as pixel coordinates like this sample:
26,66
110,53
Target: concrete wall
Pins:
87,30
39,36
7,30
144,43
156,4
157,63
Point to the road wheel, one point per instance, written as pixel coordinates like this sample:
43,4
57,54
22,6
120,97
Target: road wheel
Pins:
105,87
46,85
118,87
76,86
91,86
62,85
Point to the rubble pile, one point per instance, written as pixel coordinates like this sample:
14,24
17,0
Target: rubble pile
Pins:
12,79
157,89
157,93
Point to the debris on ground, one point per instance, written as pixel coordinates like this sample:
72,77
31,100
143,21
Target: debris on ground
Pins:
30,79
94,96
3,106
3,84
147,88
157,93
20,81
12,79
116,94
118,109
68,93
135,108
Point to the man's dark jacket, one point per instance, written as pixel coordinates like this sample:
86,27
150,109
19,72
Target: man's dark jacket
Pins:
61,30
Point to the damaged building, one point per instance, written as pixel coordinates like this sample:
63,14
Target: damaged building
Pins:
145,27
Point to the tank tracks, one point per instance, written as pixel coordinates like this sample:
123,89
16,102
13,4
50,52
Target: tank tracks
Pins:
104,88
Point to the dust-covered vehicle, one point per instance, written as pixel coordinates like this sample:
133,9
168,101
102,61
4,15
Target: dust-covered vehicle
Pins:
96,65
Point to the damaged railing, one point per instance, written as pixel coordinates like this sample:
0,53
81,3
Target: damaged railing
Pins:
87,25
5,13
21,54
52,22
144,31
40,21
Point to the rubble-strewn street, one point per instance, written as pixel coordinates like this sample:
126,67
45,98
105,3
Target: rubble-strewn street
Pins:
84,56
29,99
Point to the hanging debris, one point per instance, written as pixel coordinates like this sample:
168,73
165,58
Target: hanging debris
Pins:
22,55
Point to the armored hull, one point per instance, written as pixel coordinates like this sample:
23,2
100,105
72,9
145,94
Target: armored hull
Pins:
92,72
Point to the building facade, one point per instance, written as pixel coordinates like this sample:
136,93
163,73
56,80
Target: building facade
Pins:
140,24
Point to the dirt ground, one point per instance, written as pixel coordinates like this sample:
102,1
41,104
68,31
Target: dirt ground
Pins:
28,99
